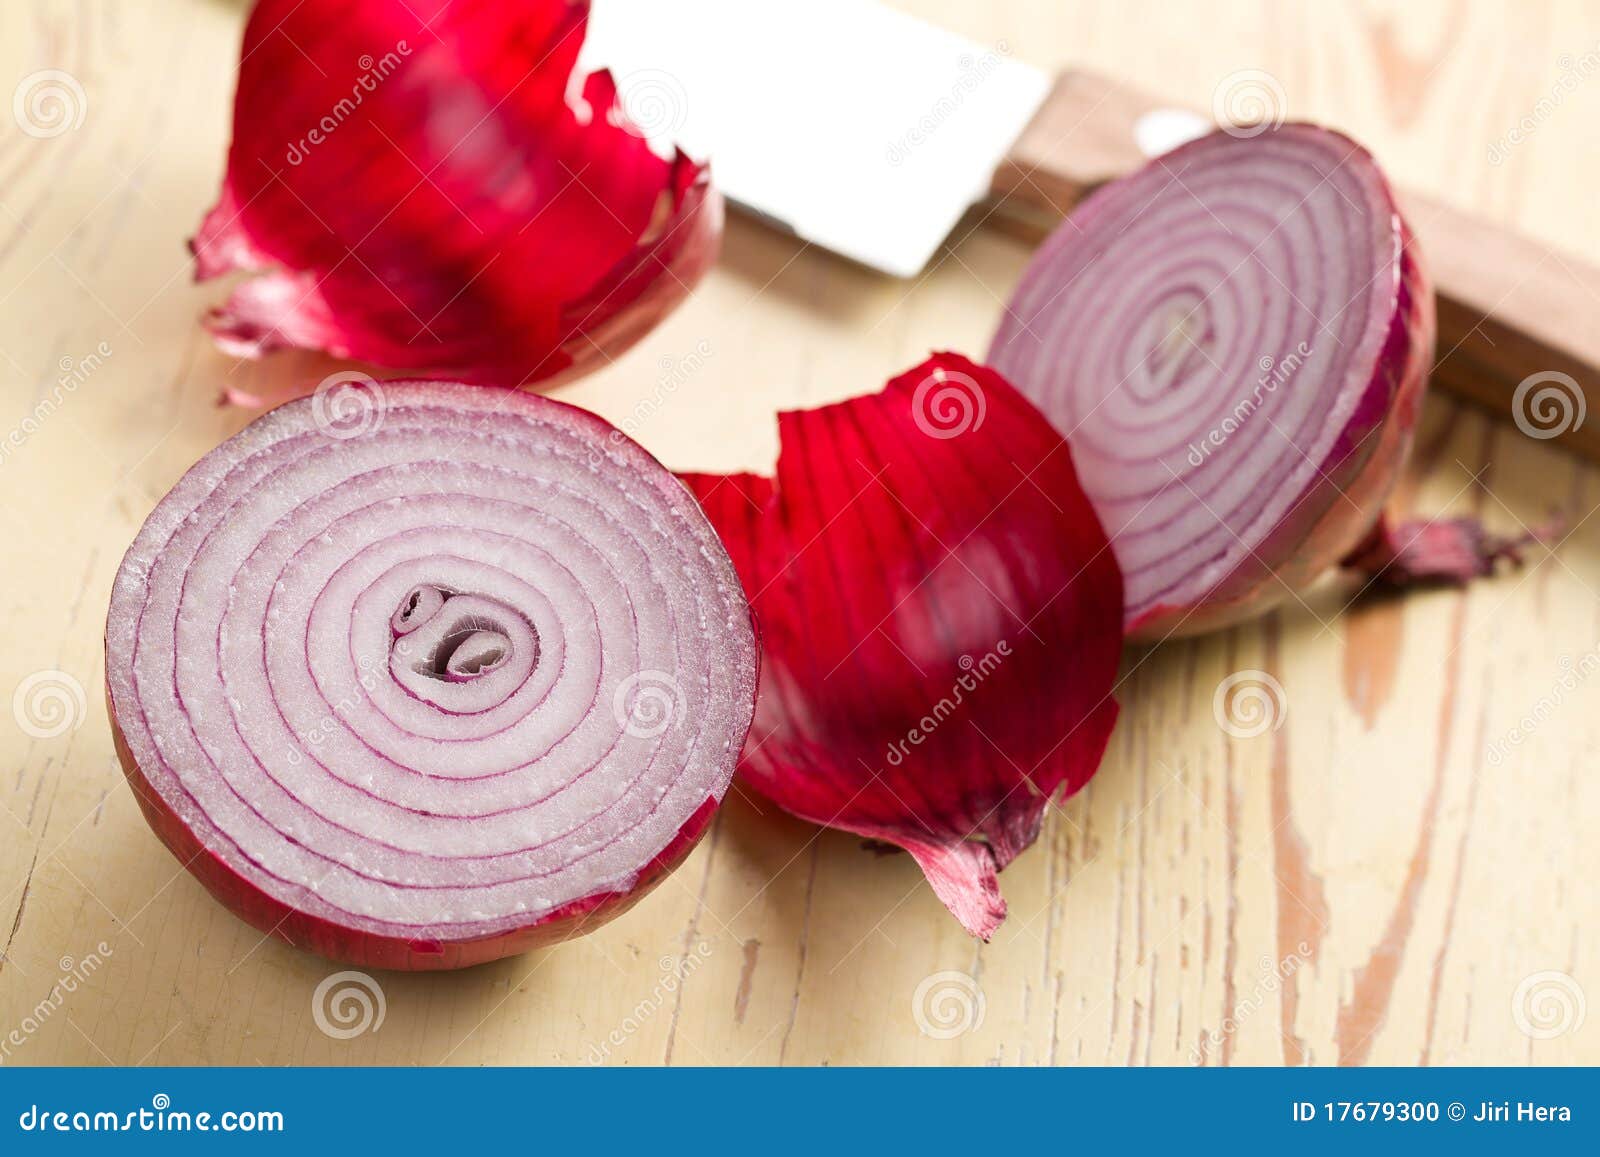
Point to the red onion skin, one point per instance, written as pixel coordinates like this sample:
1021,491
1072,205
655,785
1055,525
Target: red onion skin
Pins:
1401,553
854,531
367,949
545,238
1367,465
363,949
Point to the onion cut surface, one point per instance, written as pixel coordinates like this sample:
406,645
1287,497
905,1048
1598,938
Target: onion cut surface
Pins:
431,189
1236,340
463,679
940,616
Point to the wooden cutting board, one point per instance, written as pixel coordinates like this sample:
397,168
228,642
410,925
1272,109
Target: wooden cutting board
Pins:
1419,870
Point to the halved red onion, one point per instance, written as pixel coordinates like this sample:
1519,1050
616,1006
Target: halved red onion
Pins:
432,683
430,191
1236,340
941,620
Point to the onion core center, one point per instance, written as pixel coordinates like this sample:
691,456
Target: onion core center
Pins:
463,653
1177,341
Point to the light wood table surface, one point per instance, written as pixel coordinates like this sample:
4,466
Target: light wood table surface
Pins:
1431,884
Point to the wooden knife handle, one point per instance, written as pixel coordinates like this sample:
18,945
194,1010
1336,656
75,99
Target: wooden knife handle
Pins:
1509,308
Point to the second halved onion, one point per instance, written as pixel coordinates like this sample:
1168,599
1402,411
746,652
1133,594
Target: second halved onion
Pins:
1235,339
426,675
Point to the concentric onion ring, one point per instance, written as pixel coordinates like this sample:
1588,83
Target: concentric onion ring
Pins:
465,683
1235,339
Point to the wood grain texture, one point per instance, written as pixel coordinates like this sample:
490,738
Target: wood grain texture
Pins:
1370,882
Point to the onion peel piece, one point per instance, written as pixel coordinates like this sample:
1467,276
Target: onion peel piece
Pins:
940,617
1441,551
425,193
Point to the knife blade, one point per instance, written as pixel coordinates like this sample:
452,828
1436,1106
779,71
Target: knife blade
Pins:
858,128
